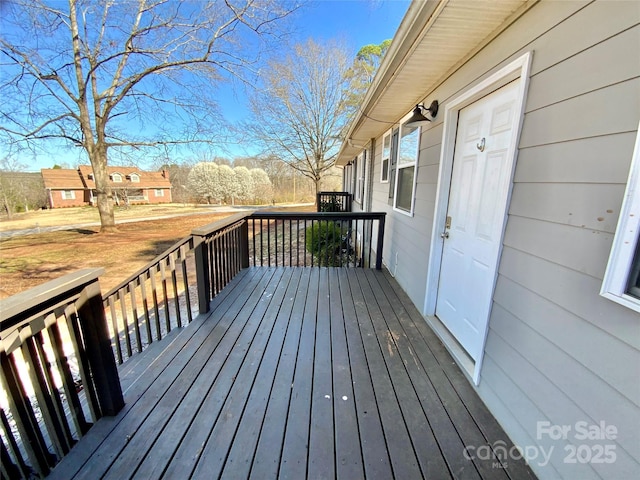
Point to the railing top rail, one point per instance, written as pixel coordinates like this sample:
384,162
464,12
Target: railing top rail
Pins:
319,215
157,259
341,194
24,305
219,224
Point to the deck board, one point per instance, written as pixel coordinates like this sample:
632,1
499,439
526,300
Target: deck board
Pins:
297,373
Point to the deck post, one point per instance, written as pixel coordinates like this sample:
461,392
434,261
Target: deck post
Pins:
244,244
93,323
203,277
380,244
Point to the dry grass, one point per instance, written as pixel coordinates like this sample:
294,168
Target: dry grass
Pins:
29,260
83,215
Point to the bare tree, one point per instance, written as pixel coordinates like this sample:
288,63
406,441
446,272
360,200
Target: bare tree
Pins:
19,190
300,108
122,73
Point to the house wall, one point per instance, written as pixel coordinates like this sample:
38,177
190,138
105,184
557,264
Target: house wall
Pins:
556,350
152,198
56,200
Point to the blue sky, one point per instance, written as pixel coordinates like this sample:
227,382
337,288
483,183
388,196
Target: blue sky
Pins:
354,22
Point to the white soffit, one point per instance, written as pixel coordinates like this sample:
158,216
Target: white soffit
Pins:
423,52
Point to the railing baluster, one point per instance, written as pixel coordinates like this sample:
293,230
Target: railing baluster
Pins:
156,306
134,312
53,402
174,285
71,318
145,306
125,321
15,466
114,326
185,282
165,295
24,417
68,386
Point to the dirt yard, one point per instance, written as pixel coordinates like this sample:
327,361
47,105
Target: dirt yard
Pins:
29,260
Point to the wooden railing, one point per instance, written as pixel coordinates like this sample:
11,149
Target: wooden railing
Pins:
51,404
333,201
139,308
221,252
316,239
159,297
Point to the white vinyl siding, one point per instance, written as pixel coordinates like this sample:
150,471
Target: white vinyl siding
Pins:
556,349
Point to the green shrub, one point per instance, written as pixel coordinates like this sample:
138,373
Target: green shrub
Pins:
324,240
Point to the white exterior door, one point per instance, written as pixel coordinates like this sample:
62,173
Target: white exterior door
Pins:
480,186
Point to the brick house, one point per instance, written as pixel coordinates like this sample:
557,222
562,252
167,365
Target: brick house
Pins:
76,187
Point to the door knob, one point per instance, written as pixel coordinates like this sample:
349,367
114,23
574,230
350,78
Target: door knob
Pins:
444,234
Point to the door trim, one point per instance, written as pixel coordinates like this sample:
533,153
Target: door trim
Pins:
519,68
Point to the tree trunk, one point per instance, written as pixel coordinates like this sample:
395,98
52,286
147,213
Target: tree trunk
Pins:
7,207
104,194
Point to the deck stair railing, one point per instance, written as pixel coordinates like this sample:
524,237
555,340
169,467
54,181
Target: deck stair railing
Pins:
43,331
333,201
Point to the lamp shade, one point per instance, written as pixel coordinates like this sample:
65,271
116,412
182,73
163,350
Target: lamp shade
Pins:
417,117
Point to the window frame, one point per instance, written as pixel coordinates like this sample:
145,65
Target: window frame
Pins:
156,190
625,241
385,178
134,178
68,195
360,173
113,178
399,167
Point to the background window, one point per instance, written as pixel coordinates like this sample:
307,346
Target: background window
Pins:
68,195
408,147
116,177
360,174
159,192
386,155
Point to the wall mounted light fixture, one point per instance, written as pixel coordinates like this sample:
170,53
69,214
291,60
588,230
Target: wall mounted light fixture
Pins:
418,117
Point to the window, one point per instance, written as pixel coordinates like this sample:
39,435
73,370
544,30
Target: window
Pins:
159,192
134,177
68,195
116,178
621,281
386,155
406,165
360,173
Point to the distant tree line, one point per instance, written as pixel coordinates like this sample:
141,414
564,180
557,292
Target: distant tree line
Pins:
20,191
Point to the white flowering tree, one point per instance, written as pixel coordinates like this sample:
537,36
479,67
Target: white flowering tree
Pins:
262,186
203,182
244,184
227,179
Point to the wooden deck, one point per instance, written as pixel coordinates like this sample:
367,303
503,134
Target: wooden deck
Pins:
297,373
